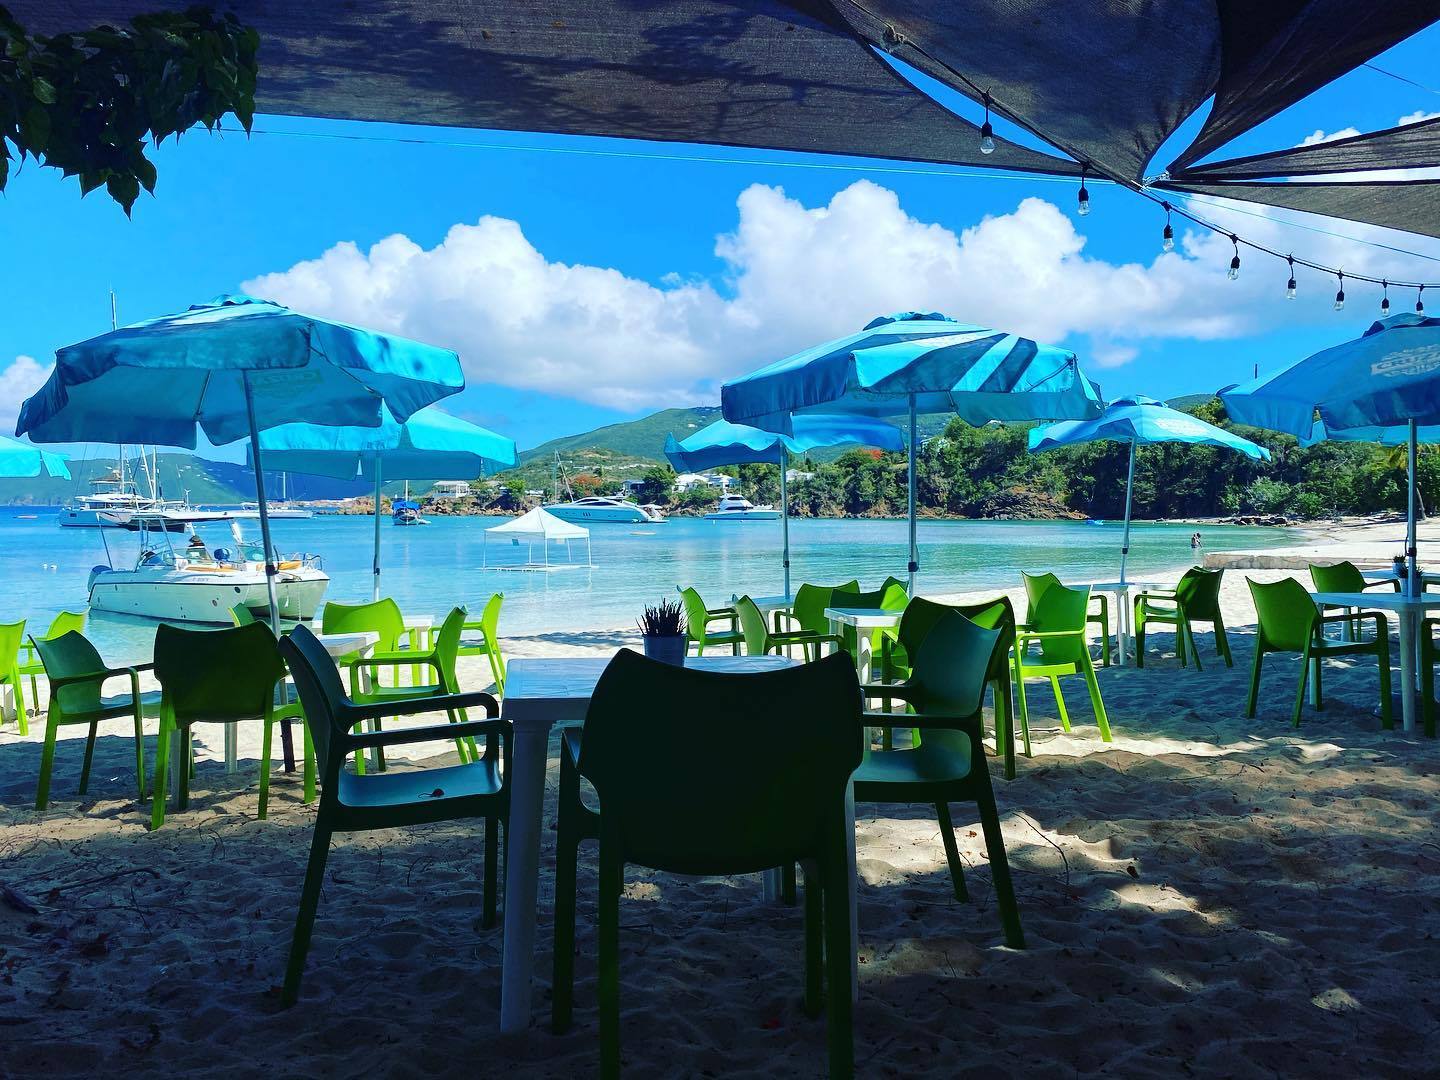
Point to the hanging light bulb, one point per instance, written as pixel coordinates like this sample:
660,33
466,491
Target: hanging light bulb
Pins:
1340,294
987,133
1234,271
1290,285
1420,301
1167,238
1384,298
1084,207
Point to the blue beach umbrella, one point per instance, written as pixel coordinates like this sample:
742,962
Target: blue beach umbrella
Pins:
909,363
1382,386
724,443
431,445
1140,421
230,368
21,459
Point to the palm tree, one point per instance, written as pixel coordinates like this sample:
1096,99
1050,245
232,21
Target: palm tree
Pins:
1397,459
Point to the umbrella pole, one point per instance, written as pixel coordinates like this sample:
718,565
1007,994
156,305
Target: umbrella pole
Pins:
1413,571
375,583
910,500
1129,493
785,518
287,741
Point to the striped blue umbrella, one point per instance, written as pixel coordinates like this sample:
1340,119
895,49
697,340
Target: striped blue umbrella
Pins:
909,363
1140,421
21,459
1383,386
724,443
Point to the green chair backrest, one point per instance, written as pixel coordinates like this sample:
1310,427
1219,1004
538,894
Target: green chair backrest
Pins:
490,618
65,622
1056,608
1036,585
811,602
380,617
999,615
72,656
1199,590
1339,577
695,612
12,636
952,666
752,627
922,615
217,675
322,694
1285,612
447,647
672,796
241,615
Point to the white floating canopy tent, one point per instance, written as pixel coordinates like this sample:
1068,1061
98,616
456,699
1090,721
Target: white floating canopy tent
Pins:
538,526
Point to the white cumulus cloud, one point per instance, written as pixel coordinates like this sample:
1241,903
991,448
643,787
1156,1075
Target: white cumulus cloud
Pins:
22,378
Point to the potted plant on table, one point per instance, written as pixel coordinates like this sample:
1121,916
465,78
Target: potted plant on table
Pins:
662,628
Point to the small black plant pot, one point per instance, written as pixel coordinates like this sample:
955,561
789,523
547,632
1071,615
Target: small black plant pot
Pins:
668,650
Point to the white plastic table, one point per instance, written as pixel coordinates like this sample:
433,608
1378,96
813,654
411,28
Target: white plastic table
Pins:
1408,610
1124,611
863,620
540,693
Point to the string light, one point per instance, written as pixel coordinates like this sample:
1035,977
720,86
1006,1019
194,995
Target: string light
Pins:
1084,207
1290,285
1167,238
1234,271
987,133
1384,298
1340,294
1420,301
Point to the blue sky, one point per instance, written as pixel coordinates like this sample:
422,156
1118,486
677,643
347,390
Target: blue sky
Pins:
593,280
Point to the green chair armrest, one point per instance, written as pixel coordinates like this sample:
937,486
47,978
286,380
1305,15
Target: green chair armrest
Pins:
1377,617
422,657
354,712
1041,635
428,733
901,691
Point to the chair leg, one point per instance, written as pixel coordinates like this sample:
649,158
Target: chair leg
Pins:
1139,643
47,758
1004,724
305,917
308,770
1060,703
562,981
612,876
787,884
1194,649
814,939
379,750
999,865
1304,677
160,785
185,768
839,1009
1022,708
952,850
1096,702
1104,629
1254,679
1387,719
140,753
22,719
492,870
89,756
1222,643
265,765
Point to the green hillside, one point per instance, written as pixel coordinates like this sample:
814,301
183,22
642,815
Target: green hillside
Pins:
642,439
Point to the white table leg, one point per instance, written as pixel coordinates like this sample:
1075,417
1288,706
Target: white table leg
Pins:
770,886
232,749
527,801
1408,669
1122,626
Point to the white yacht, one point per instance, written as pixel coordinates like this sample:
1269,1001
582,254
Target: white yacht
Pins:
601,508
738,508
280,511
111,494
196,584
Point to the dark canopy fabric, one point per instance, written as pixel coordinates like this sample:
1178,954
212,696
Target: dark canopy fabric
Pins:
1105,82
1410,146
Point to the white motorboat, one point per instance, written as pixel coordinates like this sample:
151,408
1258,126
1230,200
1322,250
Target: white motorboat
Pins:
112,494
738,508
601,508
196,584
281,511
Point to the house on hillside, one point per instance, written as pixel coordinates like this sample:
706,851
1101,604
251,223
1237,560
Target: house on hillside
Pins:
450,489
685,481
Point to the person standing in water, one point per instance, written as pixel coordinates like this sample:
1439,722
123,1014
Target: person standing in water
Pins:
1195,542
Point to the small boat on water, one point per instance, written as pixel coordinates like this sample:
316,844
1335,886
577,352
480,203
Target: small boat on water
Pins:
404,512
197,584
602,508
739,508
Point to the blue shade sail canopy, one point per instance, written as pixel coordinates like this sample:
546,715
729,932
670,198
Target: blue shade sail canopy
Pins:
21,459
431,445
925,362
724,443
1140,421
159,380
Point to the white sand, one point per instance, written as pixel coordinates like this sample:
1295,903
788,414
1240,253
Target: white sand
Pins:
1206,895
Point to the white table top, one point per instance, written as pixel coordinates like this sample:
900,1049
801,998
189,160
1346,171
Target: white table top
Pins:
419,622
1121,586
1377,576
1387,601
864,618
569,679
340,644
767,604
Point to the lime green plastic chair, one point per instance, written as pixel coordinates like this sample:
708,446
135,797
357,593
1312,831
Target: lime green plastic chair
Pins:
228,676
1290,622
77,676
674,799
1195,598
1428,655
759,639
1035,584
698,618
30,665
379,617
12,638
241,615
1345,577
398,799
488,645
1056,621
946,689
808,612
439,659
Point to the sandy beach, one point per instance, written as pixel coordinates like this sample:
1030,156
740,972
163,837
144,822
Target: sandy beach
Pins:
1206,895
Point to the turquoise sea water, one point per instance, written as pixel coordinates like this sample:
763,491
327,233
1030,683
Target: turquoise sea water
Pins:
428,569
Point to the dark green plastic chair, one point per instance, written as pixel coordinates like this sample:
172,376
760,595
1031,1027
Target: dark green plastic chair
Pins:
1056,621
398,799
1290,622
672,798
997,614
228,676
1345,577
1195,598
946,688
29,661
1035,584
77,677
698,618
